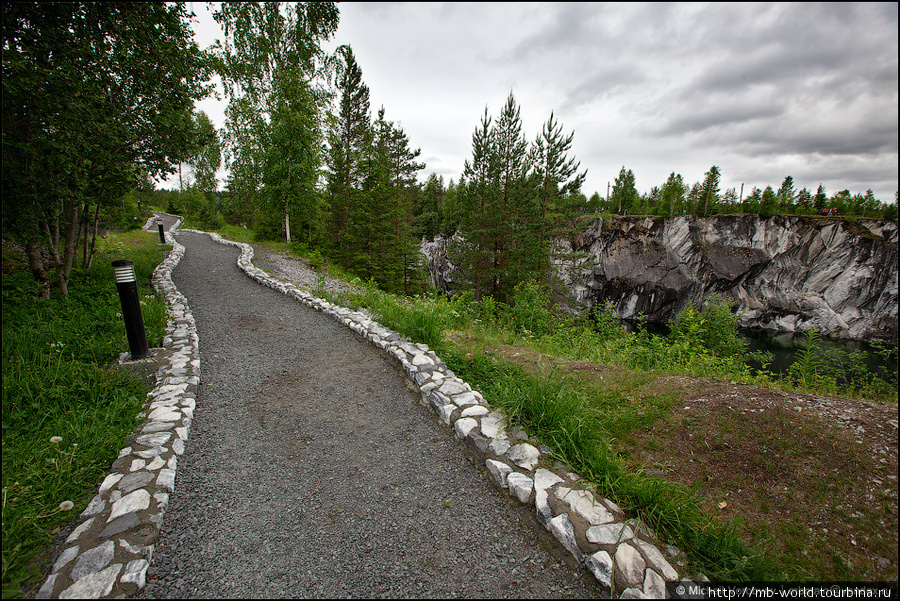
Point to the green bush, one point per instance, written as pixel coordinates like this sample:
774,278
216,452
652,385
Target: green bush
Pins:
714,328
530,310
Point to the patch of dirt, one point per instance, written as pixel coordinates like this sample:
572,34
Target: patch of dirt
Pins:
812,480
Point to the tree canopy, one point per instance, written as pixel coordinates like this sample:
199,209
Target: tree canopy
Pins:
95,96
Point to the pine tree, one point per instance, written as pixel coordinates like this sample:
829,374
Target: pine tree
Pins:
349,140
785,194
710,190
477,217
556,171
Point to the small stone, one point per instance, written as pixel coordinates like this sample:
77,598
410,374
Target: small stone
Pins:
657,561
96,505
92,560
499,447
134,480
464,426
520,485
126,522
46,588
92,586
498,470
609,534
633,593
654,585
600,564
582,502
544,479
79,530
564,532
629,565
64,558
136,501
446,413
157,463
474,411
524,455
158,439
494,426
109,482
136,572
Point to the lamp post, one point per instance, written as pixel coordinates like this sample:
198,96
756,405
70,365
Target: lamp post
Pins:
131,308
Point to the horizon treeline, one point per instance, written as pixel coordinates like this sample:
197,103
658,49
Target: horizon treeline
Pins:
308,162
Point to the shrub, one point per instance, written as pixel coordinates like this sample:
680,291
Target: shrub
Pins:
714,328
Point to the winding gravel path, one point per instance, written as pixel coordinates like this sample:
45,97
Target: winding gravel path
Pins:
313,471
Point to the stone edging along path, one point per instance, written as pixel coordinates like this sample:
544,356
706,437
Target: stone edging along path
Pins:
110,551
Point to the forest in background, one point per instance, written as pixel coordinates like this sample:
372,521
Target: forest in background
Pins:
308,161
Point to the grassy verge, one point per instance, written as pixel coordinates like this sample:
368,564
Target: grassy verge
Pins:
65,413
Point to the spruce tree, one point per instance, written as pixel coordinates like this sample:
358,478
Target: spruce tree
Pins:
349,141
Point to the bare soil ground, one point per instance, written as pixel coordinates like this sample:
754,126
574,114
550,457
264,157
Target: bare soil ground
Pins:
812,480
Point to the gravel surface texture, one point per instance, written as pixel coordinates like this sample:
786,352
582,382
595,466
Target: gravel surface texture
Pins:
312,470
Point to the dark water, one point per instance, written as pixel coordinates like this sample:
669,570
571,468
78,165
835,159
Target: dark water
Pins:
784,347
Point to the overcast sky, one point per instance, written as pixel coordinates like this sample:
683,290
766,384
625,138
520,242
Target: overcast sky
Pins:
761,90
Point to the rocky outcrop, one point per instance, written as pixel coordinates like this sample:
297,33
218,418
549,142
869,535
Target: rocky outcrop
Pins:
784,273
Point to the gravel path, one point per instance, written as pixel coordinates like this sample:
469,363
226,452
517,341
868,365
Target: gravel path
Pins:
313,471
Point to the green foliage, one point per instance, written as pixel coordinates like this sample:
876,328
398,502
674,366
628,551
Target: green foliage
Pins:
273,68
714,328
56,383
530,312
89,93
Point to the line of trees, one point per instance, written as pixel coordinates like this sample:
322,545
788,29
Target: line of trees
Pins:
99,99
677,197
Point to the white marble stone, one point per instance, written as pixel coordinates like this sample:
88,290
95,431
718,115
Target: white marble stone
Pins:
464,426
601,566
582,502
134,501
474,411
494,425
521,486
92,560
564,532
65,557
609,534
93,586
544,479
524,455
109,482
629,566
658,561
498,470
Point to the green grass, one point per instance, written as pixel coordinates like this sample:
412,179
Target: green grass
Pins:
580,427
65,414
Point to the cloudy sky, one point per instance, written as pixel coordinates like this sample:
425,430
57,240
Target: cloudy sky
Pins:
761,90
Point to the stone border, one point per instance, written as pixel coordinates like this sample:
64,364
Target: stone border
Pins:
111,549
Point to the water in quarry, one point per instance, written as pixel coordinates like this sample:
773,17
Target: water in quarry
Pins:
785,346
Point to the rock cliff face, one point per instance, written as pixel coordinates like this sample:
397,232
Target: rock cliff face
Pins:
784,273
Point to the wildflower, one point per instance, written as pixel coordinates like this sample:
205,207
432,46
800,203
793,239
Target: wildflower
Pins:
55,439
66,506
